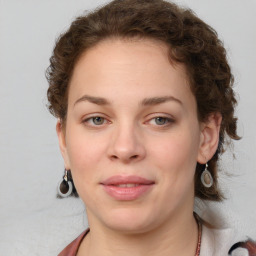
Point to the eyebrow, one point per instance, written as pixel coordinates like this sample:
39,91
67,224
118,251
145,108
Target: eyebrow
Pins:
92,99
145,102
159,100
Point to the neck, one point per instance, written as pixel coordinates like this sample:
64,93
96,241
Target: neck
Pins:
177,237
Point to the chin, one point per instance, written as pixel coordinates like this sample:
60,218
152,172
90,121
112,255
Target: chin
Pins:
130,221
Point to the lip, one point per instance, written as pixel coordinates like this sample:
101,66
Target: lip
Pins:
142,186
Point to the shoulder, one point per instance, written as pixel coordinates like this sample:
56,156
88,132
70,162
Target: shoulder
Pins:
72,248
224,242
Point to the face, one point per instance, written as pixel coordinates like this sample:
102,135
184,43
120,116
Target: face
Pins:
132,138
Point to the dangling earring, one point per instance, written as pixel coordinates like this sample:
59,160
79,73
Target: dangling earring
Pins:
65,186
206,177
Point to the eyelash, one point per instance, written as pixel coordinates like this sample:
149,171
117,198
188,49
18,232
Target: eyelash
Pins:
167,121
92,118
90,121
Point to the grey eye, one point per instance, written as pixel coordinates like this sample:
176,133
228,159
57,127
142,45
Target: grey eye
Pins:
98,120
160,120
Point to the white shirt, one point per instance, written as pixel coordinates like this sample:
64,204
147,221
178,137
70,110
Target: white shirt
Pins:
217,242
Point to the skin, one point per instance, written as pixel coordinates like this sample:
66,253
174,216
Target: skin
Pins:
128,139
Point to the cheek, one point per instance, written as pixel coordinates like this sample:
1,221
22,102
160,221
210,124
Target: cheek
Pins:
177,150
176,159
85,151
85,156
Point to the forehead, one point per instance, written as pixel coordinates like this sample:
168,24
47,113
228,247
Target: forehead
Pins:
118,51
141,66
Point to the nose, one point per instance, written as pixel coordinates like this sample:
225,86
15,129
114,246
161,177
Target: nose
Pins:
126,145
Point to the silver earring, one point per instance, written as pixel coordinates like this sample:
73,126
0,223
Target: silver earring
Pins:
65,186
206,177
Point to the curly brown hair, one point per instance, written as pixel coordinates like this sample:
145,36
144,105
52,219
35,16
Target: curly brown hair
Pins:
191,42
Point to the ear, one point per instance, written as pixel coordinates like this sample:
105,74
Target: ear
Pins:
209,139
62,143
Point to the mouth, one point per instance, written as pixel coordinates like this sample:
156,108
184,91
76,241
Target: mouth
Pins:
130,185
127,188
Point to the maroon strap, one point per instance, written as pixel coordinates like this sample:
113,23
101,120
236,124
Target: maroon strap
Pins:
72,248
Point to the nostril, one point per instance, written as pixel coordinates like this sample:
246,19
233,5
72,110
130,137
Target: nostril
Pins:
114,157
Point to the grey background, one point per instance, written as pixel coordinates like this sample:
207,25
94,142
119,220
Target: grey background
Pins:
32,220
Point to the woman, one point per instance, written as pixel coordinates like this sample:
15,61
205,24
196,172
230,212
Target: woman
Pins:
143,95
